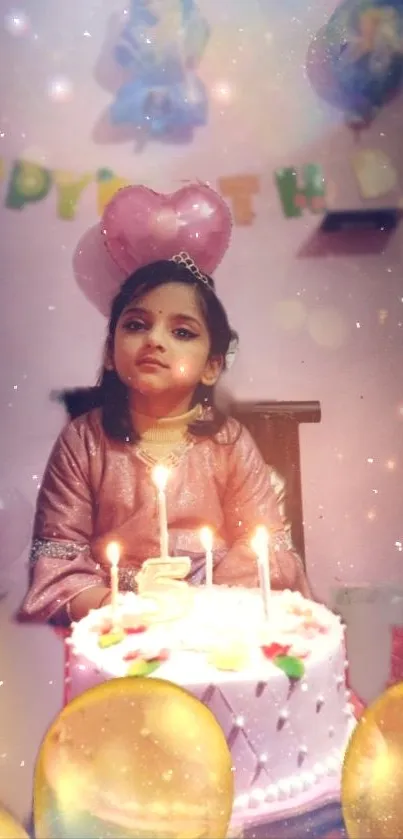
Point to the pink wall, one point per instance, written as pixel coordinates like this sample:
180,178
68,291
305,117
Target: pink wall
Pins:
313,324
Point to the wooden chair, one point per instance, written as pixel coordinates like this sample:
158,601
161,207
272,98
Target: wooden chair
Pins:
275,428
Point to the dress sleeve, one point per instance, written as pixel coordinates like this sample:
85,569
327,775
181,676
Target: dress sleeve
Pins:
60,564
250,500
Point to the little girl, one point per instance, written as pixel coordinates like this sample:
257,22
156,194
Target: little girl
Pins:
167,343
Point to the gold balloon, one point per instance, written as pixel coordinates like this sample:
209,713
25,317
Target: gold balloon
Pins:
9,827
134,758
372,779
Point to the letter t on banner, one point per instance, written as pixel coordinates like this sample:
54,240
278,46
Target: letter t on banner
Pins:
240,189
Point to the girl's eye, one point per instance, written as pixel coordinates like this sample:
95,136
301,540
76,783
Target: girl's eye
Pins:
134,326
184,334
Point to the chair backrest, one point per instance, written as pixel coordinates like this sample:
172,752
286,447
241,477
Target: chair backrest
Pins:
275,429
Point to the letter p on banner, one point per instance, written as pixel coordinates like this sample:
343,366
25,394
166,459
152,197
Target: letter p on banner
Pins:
28,184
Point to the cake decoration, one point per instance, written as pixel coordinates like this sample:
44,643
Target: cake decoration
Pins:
136,629
233,657
109,639
141,667
292,667
315,625
319,770
257,797
282,656
283,717
333,764
272,650
271,793
302,753
284,788
131,655
308,779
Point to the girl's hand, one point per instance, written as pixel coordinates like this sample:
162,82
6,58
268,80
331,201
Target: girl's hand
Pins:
238,568
283,570
90,598
287,571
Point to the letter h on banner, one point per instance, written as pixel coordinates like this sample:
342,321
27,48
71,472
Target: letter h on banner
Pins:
297,194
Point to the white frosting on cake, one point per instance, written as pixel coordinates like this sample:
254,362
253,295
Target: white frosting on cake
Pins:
287,735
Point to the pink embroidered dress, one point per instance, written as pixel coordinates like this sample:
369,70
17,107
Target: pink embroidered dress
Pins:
96,490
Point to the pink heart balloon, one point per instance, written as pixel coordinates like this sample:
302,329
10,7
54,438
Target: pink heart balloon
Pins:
142,226
96,273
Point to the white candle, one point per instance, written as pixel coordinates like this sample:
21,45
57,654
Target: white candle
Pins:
261,546
160,477
113,555
206,538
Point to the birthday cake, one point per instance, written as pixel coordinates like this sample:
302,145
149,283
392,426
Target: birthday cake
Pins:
277,688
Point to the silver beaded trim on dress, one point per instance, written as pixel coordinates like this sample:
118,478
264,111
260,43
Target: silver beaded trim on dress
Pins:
56,549
282,541
127,579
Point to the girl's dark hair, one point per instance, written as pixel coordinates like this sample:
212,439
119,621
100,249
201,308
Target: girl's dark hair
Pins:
111,395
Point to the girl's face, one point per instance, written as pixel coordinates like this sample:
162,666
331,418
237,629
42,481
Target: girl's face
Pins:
162,346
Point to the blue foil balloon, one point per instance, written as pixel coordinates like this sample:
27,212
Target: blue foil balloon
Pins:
162,107
361,55
160,48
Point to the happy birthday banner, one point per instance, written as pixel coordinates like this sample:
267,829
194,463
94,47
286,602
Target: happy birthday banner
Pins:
30,183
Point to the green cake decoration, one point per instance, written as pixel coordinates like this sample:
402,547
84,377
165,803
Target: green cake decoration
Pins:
292,667
140,667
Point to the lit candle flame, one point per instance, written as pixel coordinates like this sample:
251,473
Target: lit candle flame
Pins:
160,477
261,540
113,553
206,538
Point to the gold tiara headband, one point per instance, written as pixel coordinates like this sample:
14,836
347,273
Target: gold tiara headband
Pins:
183,258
